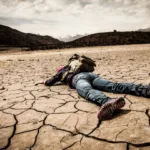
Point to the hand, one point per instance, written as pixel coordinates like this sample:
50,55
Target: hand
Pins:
39,82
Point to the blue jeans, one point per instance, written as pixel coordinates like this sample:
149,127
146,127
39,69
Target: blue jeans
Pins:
90,85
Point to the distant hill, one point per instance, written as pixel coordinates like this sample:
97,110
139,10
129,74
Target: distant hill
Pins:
104,39
145,30
112,38
12,37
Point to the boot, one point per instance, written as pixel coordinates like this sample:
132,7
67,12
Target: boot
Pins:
107,110
144,90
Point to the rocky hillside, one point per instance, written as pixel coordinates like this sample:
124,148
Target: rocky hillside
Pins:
12,37
103,39
113,38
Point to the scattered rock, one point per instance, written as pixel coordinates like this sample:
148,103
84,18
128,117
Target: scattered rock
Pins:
2,88
21,60
131,59
148,113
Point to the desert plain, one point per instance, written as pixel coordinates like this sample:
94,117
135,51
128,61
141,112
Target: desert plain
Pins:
56,118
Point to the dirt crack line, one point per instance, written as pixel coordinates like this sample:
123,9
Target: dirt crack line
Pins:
5,127
75,106
119,133
127,148
99,139
32,95
61,106
39,111
38,130
148,114
72,96
108,141
28,131
97,126
14,130
73,134
70,146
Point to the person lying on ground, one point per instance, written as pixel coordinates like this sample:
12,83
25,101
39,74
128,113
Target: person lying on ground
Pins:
90,86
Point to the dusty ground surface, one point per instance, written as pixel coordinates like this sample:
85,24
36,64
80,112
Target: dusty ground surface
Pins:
55,118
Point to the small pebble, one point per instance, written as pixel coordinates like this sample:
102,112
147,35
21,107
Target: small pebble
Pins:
2,88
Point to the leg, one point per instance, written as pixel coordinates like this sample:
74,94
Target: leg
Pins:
108,86
85,90
109,106
82,82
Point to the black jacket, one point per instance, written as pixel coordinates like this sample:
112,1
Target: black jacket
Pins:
57,77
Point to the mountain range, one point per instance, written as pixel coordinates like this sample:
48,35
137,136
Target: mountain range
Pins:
71,38
14,38
111,38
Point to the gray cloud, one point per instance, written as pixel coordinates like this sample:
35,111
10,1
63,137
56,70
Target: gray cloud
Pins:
82,3
71,17
5,2
131,7
20,21
127,7
15,21
118,3
37,6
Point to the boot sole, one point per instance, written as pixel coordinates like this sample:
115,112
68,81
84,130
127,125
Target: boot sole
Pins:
107,110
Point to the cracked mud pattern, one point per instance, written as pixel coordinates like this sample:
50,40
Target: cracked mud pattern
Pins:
55,118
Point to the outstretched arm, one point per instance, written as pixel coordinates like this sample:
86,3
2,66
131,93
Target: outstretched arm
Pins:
53,80
40,82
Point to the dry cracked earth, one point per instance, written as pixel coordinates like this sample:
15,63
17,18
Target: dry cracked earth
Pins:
56,118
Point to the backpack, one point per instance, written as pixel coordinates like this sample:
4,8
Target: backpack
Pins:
82,63
77,64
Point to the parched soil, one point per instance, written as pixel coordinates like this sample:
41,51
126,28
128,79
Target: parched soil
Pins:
56,118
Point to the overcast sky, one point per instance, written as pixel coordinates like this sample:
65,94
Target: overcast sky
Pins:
60,18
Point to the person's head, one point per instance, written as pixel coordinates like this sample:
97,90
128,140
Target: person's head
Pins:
59,68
